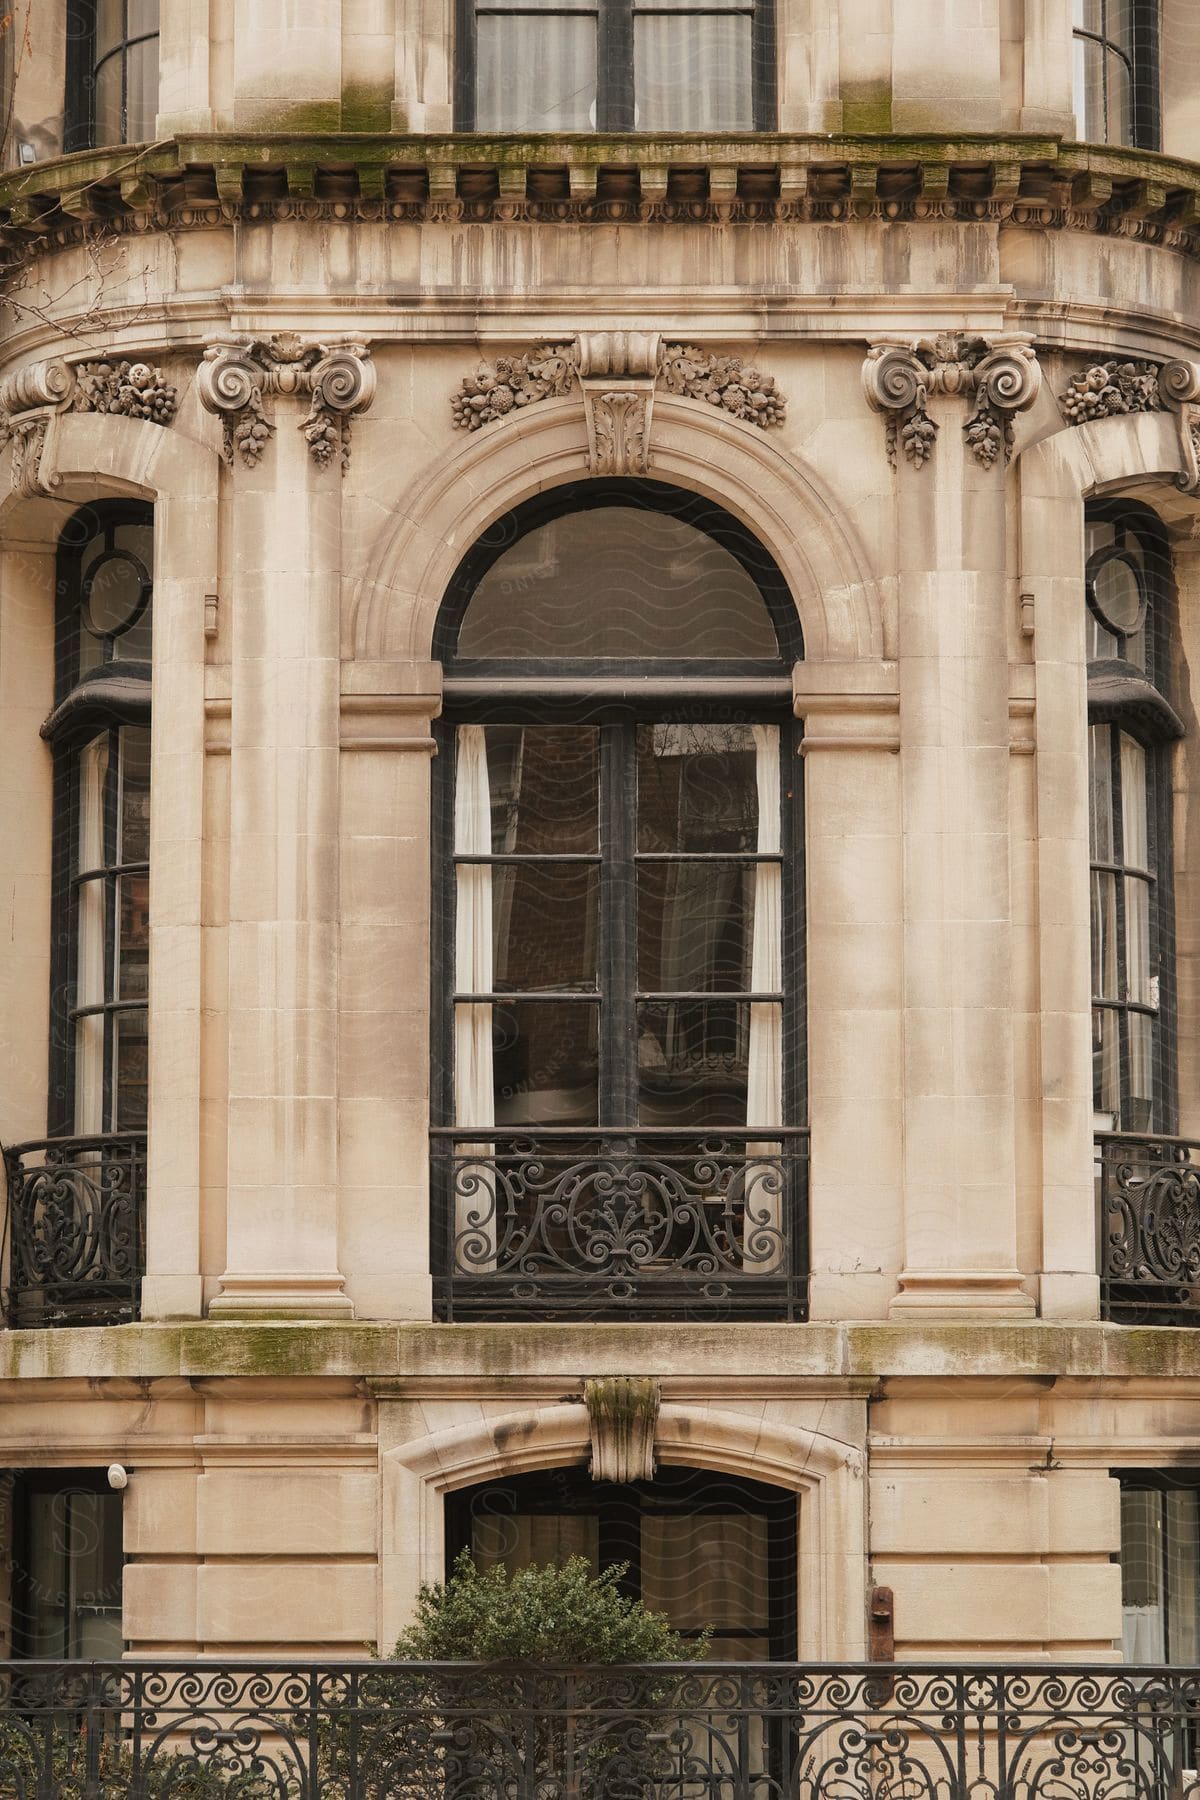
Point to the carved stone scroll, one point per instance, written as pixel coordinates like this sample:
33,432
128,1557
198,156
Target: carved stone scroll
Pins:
1001,379
623,1413
1179,390
1117,387
338,379
31,397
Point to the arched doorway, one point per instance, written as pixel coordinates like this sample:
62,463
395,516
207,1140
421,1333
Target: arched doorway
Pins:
618,1057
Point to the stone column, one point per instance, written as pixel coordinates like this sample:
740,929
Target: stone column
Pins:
959,1161
855,990
282,1228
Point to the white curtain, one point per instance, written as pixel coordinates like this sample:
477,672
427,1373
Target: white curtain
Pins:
764,1076
536,71
474,1089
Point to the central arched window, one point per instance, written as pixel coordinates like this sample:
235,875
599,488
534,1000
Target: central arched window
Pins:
618,1109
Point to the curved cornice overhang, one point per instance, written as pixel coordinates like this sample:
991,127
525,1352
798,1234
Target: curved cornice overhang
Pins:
197,181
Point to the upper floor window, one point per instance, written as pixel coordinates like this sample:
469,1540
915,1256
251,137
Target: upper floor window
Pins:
1132,916
621,1092
1160,1566
112,72
616,65
1116,77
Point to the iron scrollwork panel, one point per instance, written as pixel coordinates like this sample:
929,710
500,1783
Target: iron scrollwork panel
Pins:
76,1230
1149,1224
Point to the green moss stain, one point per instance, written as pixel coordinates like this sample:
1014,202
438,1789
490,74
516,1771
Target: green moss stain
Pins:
867,106
367,106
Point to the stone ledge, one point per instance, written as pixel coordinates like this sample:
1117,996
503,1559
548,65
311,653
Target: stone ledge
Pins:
193,182
770,1353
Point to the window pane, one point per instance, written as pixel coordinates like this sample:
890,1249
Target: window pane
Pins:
110,25
1183,1574
108,128
1104,936
617,581
693,1061
538,1540
1100,776
135,794
695,926
46,1575
544,926
1106,1063
143,16
692,72
1120,100
543,785
708,1569
130,1071
142,96
95,1576
1138,1111
697,788
1134,825
535,73
544,1061
134,961
1137,940
1141,1577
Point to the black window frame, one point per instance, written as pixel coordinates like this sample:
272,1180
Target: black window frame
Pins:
83,66
1124,697
615,72
104,701
1142,60
26,1483
677,1489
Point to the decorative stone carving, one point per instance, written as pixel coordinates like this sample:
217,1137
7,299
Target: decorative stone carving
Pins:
338,379
515,381
1002,378
28,438
1118,387
620,432
623,1415
617,371
135,390
723,381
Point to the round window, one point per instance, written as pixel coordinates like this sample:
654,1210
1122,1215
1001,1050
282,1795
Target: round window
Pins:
1118,596
115,591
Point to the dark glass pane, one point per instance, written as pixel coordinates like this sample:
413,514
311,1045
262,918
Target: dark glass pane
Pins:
135,794
130,1077
535,72
142,101
134,955
697,788
544,1060
543,782
708,1570
617,582
1117,595
520,1540
544,925
113,593
695,926
693,1058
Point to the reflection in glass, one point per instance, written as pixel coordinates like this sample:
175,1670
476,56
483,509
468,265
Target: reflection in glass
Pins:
692,71
697,788
543,785
544,1061
544,925
70,1586
535,71
695,926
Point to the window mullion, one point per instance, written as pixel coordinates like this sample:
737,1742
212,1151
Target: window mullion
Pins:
614,67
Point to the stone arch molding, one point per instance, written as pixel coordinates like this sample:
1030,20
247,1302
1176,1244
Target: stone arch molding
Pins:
1105,454
777,496
826,1474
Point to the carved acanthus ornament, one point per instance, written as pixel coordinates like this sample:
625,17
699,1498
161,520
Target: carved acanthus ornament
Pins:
1001,378
1117,387
338,379
618,373
34,395
623,1415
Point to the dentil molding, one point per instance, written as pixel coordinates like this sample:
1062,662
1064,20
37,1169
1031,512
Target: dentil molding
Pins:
337,378
1001,378
34,395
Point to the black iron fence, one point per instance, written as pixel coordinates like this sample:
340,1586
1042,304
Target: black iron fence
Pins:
75,1231
677,1224
1148,1211
454,1731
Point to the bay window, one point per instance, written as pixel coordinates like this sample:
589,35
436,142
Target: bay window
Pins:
1116,72
112,72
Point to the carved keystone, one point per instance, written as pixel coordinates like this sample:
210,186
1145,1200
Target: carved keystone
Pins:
624,1418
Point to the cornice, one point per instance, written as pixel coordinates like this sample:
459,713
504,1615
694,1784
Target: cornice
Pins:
191,182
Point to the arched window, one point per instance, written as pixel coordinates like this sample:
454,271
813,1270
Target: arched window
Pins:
1116,74
75,1220
619,1093
112,72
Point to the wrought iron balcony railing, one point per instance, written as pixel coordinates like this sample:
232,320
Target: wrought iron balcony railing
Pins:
75,1231
647,1224
462,1731
1148,1211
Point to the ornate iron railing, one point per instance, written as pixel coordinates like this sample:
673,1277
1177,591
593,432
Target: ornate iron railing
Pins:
459,1731
644,1224
1148,1209
75,1230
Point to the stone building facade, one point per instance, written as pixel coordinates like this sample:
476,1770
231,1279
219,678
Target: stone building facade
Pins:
422,437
